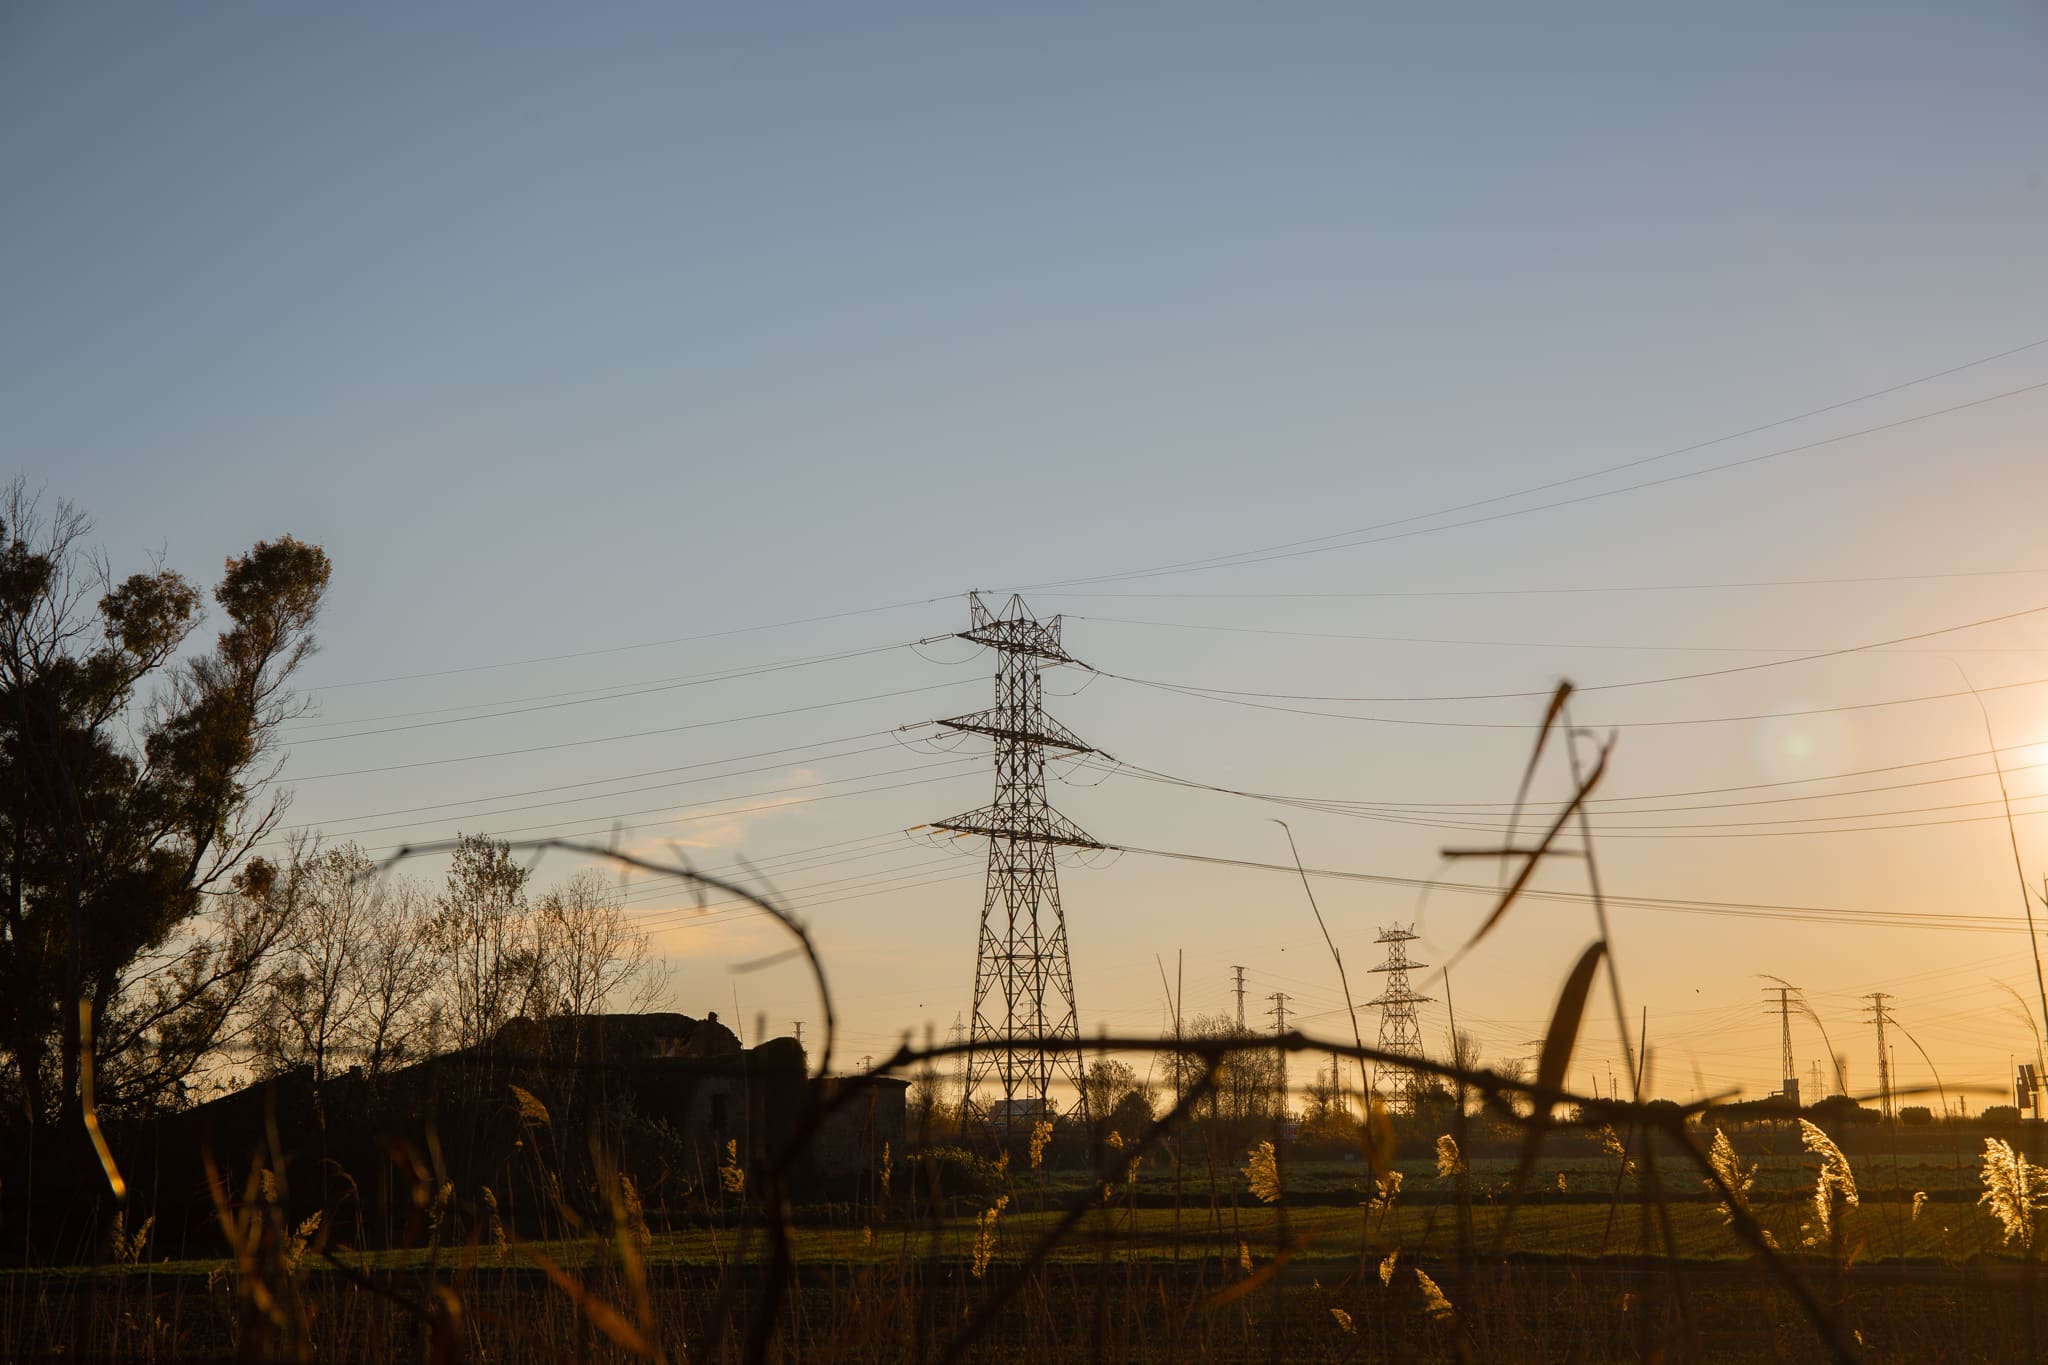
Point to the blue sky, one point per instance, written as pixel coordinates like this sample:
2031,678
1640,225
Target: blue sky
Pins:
567,331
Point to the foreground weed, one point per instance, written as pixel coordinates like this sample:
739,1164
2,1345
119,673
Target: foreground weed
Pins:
1262,1172
1041,1133
2012,1190
128,1247
1736,1176
985,1235
1834,1184
1433,1301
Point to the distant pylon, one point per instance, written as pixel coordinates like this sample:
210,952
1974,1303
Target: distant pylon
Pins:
1400,1030
1240,998
1881,1016
1025,1030
1279,1013
1788,1077
955,1036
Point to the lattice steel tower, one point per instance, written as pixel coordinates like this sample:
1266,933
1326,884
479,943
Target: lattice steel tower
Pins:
1400,1030
1025,1030
1882,1016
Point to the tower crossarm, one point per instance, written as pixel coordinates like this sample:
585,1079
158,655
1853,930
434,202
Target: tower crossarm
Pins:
1400,997
1016,631
1000,723
1037,824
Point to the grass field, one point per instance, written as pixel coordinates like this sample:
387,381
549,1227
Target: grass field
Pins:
1575,1272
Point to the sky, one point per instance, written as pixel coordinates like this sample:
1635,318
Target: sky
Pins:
661,379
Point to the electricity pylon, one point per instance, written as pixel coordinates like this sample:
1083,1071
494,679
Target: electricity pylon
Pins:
1400,1030
1788,1077
1279,1013
1882,1016
1025,1029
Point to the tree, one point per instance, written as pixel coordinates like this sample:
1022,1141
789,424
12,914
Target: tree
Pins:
131,898
1327,1116
931,1115
591,956
1104,1085
398,1019
1247,1077
1435,1093
310,987
482,928
350,977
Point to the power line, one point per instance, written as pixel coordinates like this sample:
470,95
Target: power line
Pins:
1247,700
1754,830
636,734
837,853
1132,769
624,649
810,751
656,899
699,680
1811,914
742,910
1546,644
650,810
1489,822
614,829
1345,539
1550,592
1336,805
896,879
1616,686
585,696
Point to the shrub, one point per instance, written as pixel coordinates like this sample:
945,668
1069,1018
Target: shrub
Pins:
1914,1115
954,1172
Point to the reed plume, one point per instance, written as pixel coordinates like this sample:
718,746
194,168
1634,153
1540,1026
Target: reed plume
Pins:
1737,1177
1433,1301
2012,1190
1262,1171
1834,1183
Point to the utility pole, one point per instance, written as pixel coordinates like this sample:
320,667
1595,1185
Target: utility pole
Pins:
799,1026
1400,1030
1279,1013
1026,1029
1881,1017
1240,998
